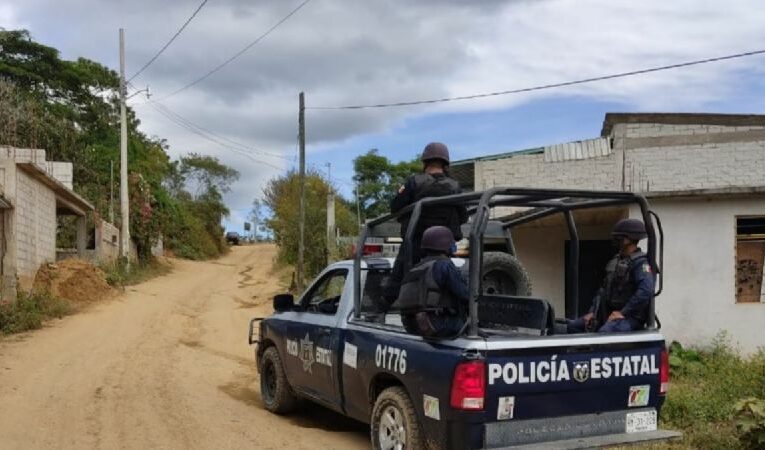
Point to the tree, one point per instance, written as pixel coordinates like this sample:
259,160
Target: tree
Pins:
378,181
206,172
258,216
71,109
282,196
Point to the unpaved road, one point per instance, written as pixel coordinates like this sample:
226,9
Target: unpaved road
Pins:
166,365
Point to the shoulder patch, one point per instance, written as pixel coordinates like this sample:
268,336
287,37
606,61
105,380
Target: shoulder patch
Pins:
646,268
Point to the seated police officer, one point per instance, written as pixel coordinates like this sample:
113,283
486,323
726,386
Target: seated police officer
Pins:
433,297
434,181
623,302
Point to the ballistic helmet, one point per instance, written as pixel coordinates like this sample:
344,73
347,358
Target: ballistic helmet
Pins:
632,229
435,150
438,239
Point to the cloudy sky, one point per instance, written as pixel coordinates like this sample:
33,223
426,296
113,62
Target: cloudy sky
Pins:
359,52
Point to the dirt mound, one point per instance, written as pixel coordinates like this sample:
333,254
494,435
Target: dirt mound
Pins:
75,280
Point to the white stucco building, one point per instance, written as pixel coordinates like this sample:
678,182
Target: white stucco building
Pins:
704,175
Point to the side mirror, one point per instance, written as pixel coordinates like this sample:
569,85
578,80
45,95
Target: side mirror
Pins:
284,302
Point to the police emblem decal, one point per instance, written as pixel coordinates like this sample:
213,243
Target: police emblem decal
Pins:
306,353
582,371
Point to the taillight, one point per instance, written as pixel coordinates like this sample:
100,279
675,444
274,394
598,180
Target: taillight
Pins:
664,373
370,249
469,386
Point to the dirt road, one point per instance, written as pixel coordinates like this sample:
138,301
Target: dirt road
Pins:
166,365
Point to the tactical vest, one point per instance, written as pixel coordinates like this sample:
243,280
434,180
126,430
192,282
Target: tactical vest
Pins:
420,292
619,283
426,185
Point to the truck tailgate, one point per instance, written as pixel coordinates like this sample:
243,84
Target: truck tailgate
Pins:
556,388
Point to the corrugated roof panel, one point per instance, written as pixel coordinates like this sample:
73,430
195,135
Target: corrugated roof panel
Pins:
591,148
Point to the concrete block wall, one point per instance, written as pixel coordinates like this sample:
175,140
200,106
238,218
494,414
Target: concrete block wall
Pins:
35,224
532,171
61,171
707,166
660,157
660,129
646,158
21,155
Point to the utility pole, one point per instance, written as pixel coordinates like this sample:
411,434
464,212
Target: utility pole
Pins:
111,191
124,206
358,205
330,215
301,220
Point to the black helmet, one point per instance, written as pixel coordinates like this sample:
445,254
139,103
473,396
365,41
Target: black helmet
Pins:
438,238
435,150
633,229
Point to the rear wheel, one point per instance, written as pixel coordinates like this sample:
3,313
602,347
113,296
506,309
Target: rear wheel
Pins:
503,274
275,391
394,422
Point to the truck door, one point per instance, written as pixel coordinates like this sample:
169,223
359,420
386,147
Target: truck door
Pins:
313,341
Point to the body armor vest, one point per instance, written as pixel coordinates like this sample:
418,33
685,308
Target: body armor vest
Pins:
420,292
619,285
427,185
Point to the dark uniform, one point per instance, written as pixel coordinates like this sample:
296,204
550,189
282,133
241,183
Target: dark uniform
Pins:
425,185
415,188
628,288
434,296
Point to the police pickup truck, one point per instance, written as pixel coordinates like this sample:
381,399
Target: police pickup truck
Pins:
512,378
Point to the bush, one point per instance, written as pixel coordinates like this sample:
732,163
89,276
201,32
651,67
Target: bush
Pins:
750,421
118,275
705,386
29,311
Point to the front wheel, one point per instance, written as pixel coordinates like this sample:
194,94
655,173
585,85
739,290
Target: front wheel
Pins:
275,390
394,422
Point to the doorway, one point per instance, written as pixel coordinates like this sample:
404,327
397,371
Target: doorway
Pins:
593,257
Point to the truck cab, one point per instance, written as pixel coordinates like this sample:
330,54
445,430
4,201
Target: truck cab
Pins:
513,378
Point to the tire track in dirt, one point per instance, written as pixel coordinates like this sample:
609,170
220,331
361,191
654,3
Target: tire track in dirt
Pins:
165,365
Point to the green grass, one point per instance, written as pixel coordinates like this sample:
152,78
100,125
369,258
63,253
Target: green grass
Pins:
118,275
705,385
30,311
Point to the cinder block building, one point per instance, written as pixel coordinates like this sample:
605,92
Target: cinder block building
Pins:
33,192
704,175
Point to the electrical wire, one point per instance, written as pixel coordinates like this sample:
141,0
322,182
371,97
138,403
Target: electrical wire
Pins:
237,54
177,33
201,134
241,146
545,86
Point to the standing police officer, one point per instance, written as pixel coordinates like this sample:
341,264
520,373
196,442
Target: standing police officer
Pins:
623,302
434,181
434,296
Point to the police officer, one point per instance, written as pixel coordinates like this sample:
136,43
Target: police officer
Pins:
434,296
434,181
622,303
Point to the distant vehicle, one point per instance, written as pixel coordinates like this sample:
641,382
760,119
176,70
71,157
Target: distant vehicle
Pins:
513,377
233,238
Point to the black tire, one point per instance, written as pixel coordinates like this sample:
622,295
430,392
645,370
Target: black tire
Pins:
503,274
275,390
394,424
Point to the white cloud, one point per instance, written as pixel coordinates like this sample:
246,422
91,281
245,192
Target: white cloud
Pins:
342,51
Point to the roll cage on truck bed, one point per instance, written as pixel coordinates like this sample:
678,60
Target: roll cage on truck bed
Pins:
506,381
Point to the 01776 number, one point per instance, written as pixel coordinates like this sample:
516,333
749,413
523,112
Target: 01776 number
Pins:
391,358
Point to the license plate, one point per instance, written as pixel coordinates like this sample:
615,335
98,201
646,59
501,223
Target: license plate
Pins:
641,421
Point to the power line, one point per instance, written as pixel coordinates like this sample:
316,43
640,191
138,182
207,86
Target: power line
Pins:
544,86
177,33
198,132
237,54
241,146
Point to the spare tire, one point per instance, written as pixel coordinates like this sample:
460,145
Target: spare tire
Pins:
502,274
